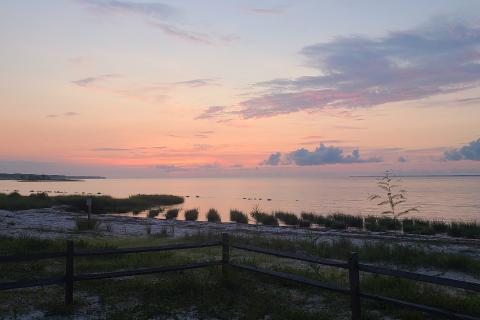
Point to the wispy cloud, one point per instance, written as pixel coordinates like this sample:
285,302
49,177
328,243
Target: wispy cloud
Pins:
212,112
357,72
273,10
66,114
468,100
470,151
204,134
89,81
154,10
194,83
320,156
114,149
160,16
182,33
402,159
272,160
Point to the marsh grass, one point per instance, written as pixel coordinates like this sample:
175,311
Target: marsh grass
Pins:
100,204
213,216
139,203
238,216
264,218
191,215
172,214
287,218
410,225
152,213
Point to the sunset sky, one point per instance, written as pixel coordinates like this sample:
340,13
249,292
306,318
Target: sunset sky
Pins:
126,88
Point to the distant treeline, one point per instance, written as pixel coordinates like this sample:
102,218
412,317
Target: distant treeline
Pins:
43,177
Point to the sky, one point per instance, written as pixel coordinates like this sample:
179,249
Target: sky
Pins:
126,88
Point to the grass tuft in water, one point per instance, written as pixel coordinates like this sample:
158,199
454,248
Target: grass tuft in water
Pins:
191,215
238,216
213,216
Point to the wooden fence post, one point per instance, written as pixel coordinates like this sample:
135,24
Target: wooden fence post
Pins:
225,252
69,274
354,277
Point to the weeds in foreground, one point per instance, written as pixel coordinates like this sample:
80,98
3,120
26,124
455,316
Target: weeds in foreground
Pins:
204,293
393,199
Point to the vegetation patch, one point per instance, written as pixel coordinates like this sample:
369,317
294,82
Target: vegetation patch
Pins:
100,204
191,215
206,293
213,216
287,218
172,214
152,213
238,216
263,218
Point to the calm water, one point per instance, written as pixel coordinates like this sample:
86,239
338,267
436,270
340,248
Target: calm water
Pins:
446,198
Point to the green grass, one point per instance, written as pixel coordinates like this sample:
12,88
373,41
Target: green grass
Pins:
100,204
213,216
191,215
204,293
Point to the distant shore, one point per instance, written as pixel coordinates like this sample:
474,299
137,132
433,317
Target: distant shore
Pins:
30,177
420,176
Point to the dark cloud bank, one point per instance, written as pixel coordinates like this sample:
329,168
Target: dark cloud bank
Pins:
320,156
470,151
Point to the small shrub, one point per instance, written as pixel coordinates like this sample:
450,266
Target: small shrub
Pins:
213,216
172,214
82,224
191,215
238,216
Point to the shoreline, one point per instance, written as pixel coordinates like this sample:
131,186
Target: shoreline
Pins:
60,223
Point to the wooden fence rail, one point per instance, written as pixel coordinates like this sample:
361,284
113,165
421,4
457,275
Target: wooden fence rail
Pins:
352,265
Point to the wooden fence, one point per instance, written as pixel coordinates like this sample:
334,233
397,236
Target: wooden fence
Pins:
352,265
